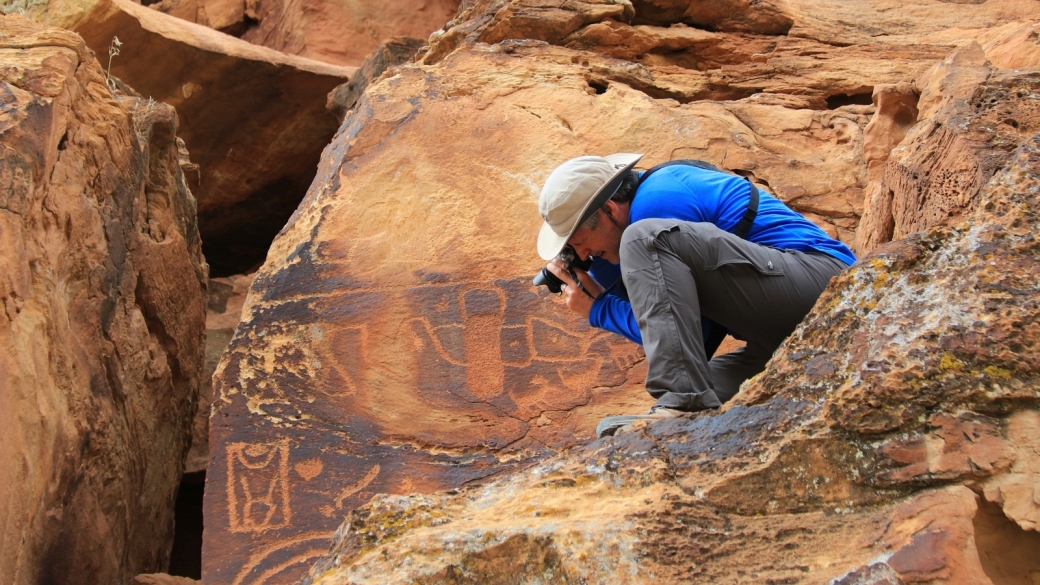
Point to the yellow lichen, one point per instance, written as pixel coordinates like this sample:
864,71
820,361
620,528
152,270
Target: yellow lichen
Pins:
996,372
949,362
880,281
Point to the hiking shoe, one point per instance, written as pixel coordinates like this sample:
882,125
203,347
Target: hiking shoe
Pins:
610,425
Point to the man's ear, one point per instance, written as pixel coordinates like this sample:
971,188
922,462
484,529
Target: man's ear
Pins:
612,210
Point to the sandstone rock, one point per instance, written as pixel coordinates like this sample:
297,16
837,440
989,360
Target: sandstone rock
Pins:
831,55
252,118
342,32
768,18
392,342
102,288
1016,491
980,115
407,348
389,55
858,456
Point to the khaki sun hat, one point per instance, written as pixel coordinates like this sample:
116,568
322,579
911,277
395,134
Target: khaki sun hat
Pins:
573,192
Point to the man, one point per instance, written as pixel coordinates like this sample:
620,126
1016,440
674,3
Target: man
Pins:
669,273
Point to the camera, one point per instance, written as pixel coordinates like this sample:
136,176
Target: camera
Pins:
572,260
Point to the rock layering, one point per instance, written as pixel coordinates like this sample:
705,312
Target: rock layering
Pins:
892,439
392,342
102,297
253,119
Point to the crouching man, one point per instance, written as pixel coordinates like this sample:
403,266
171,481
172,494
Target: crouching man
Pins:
683,253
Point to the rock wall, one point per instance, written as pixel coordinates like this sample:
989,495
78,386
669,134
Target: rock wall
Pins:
392,342
892,439
102,289
971,116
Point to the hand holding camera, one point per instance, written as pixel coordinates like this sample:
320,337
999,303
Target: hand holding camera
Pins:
567,274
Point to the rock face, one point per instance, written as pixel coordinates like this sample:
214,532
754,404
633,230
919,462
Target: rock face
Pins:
892,439
253,119
392,342
344,32
102,289
972,118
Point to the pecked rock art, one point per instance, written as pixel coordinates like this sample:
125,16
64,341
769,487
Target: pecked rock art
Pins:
375,390
258,486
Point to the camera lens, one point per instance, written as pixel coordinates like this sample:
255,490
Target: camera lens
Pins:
548,280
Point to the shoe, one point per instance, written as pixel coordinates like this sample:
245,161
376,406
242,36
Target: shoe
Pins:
612,424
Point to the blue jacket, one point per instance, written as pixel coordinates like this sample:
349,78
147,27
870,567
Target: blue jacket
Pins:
702,195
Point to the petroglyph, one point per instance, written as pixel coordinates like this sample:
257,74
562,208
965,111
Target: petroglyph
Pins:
471,367
500,344
258,486
482,314
249,574
350,346
309,469
356,486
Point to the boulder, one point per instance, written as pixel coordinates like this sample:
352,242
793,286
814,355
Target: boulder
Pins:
393,341
253,119
344,32
891,439
102,289
833,55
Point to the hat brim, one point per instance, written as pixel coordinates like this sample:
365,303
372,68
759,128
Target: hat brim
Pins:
550,243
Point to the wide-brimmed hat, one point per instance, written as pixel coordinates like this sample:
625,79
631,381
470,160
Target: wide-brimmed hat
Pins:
575,191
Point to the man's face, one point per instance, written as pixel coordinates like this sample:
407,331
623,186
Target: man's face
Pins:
604,241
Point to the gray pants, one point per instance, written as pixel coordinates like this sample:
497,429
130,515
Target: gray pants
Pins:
675,271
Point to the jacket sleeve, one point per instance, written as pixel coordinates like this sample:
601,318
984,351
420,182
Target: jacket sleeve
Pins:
615,314
612,311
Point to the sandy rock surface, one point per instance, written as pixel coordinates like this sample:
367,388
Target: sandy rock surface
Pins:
253,119
392,342
387,56
102,299
972,116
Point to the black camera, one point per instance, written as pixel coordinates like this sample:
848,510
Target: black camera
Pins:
572,260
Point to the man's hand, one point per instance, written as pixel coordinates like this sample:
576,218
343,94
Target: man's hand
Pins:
576,299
